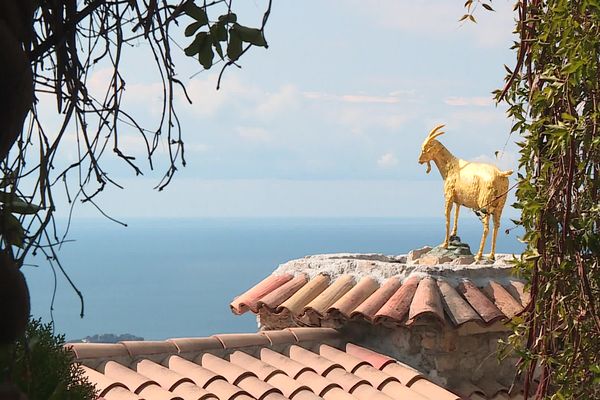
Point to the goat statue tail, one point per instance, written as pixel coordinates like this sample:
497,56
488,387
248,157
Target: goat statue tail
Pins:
506,173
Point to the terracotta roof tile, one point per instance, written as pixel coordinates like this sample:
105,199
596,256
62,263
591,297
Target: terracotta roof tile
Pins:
503,299
432,391
304,334
193,345
235,340
147,347
249,299
272,300
330,295
375,359
486,309
320,364
354,297
338,300
456,307
517,290
426,301
295,304
236,373
280,337
98,350
397,307
371,305
348,361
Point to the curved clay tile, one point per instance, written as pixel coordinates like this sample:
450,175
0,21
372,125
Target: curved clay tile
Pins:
272,300
134,381
235,340
257,388
493,389
502,299
320,364
356,296
165,377
398,306
305,395
456,307
469,390
337,393
103,383
480,303
233,373
247,301
98,350
348,361
370,306
319,385
432,391
306,334
398,391
226,391
305,295
372,357
405,374
349,382
186,345
286,364
260,368
368,392
426,302
155,392
283,336
517,289
148,347
119,393
376,378
190,391
199,375
330,295
288,386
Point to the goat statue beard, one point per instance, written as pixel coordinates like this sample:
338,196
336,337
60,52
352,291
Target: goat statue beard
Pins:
428,167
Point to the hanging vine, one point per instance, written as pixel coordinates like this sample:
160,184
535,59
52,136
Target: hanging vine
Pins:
553,95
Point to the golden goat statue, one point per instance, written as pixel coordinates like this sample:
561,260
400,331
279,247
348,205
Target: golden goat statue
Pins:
481,187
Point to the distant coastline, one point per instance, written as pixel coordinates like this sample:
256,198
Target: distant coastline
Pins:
106,338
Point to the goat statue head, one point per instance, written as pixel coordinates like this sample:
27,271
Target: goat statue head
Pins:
428,147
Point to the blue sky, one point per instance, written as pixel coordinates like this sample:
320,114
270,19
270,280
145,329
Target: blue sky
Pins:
329,120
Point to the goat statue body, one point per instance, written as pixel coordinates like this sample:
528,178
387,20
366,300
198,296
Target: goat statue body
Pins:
479,186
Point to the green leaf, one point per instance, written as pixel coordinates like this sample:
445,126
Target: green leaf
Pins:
487,7
219,32
205,56
12,230
195,47
463,17
229,18
198,13
250,35
234,48
192,28
17,205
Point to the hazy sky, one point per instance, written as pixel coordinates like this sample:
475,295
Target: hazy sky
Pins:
329,120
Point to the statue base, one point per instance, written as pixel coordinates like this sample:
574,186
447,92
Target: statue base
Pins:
457,253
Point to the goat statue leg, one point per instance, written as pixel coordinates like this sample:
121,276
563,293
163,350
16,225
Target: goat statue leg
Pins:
496,219
448,211
486,229
455,226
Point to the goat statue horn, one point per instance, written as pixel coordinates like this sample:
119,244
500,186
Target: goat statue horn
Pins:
434,133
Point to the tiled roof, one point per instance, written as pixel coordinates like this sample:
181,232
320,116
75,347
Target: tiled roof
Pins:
395,300
295,363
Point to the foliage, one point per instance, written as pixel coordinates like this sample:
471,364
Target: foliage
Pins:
51,49
40,366
553,94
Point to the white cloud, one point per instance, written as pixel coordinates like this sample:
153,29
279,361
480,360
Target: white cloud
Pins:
387,160
394,97
440,17
275,104
254,134
504,160
469,101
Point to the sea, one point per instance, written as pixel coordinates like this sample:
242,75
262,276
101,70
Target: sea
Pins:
164,278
